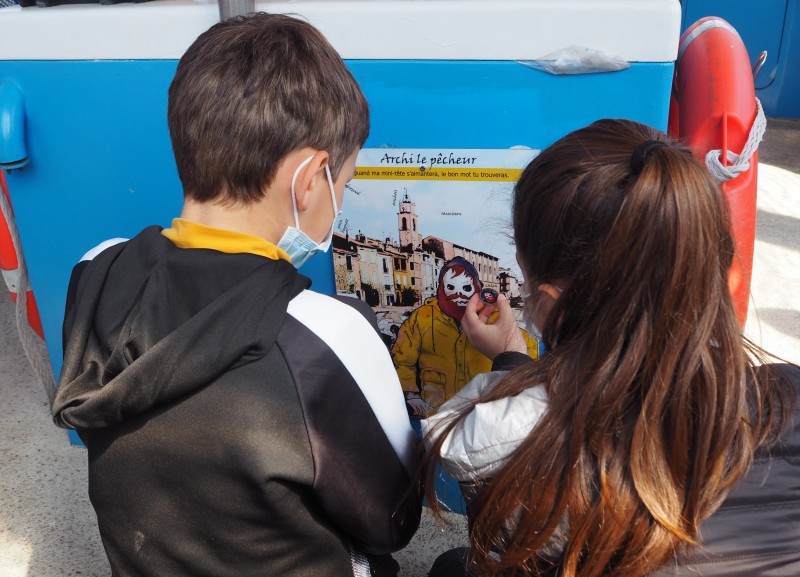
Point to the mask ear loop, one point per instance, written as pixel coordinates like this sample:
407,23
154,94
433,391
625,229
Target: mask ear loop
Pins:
294,195
336,210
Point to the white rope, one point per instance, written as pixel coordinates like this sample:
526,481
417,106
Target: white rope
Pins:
739,163
34,347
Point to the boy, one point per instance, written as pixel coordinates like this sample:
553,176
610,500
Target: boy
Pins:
207,383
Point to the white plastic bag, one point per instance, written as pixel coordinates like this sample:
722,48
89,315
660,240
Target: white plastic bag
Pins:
577,60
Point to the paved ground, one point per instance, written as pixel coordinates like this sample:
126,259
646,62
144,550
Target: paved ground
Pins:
46,523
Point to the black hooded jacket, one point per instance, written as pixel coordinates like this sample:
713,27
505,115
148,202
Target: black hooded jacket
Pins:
225,436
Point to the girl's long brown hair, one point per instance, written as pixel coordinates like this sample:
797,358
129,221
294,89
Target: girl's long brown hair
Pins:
655,410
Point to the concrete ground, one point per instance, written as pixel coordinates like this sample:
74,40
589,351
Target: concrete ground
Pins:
47,527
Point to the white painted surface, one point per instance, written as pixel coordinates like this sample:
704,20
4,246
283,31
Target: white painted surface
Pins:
637,30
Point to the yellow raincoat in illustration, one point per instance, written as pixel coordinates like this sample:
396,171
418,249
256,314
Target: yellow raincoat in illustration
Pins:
434,358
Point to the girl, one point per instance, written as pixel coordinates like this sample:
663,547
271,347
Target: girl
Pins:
604,457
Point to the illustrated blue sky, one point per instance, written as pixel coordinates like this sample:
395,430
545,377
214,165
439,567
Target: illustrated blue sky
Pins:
475,215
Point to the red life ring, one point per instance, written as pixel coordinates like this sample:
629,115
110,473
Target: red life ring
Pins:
9,264
714,108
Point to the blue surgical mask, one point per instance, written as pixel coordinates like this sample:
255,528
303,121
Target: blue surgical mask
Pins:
533,330
297,244
530,326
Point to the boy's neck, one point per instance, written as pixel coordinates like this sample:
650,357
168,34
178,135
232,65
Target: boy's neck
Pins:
249,219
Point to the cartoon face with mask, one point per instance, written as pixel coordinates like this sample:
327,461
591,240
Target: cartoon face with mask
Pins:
458,281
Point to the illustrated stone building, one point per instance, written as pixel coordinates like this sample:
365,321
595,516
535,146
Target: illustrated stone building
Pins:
404,273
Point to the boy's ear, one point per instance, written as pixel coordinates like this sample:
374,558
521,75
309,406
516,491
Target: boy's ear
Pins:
309,178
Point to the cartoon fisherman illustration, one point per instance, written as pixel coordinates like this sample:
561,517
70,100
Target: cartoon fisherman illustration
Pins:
433,357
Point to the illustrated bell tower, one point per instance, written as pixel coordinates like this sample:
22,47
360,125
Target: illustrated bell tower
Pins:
407,224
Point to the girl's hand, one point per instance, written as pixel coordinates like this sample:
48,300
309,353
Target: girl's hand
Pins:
490,333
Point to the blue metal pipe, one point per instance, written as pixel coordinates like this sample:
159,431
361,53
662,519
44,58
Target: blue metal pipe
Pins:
13,153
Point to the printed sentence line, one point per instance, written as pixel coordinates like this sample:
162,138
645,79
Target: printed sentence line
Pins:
408,173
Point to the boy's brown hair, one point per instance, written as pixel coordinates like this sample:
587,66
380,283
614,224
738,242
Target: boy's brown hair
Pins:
249,91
